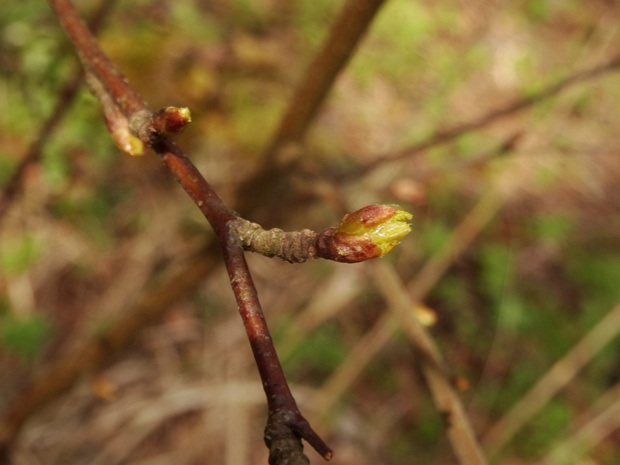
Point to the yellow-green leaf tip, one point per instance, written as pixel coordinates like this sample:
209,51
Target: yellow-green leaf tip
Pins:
127,142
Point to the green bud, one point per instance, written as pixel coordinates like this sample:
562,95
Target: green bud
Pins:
369,232
384,225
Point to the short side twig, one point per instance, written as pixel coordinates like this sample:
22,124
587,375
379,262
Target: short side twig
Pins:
369,232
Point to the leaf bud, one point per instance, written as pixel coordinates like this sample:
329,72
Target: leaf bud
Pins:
369,232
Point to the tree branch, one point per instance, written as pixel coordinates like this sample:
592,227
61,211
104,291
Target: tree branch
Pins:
346,33
125,107
132,123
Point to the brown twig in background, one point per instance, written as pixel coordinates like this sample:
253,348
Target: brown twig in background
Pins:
604,420
346,32
458,427
448,135
96,351
66,96
461,237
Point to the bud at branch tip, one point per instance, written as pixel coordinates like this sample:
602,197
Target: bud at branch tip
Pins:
384,225
170,121
369,232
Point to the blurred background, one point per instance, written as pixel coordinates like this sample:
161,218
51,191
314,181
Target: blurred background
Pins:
516,220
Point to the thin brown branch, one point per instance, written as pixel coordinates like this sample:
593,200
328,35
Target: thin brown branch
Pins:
493,116
66,96
604,420
282,405
96,62
146,126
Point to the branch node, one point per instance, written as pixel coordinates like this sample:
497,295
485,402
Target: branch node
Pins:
283,434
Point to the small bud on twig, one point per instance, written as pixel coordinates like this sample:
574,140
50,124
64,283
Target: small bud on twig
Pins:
170,121
369,232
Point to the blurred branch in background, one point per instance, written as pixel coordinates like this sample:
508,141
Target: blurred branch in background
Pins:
447,400
346,33
444,136
560,374
67,93
98,349
603,420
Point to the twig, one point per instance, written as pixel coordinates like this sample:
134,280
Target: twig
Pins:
144,125
448,135
460,433
369,232
66,96
597,429
555,379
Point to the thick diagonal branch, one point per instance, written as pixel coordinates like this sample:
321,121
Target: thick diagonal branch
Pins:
346,33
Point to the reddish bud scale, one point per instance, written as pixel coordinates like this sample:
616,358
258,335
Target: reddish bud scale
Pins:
369,232
366,218
170,121
345,248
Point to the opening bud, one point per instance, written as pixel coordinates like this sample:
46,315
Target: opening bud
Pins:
369,232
